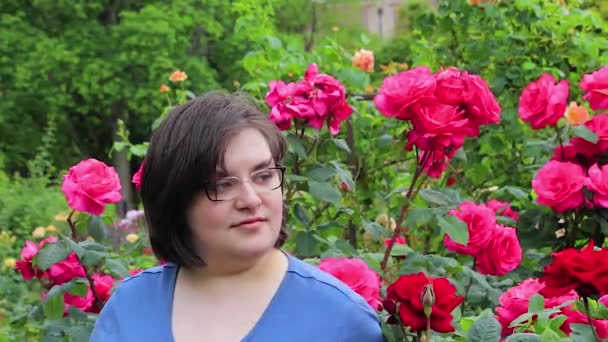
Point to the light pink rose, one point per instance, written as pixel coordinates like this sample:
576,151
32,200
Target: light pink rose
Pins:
559,185
90,185
357,275
481,223
595,86
542,102
514,302
503,253
598,183
502,209
398,92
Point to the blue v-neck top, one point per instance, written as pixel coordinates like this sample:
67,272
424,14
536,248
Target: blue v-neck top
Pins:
309,306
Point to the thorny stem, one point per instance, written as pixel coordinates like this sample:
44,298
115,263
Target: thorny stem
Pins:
561,143
425,157
98,301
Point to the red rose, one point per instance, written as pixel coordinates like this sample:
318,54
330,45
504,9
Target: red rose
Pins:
399,91
357,275
503,253
502,209
542,103
574,316
481,222
595,86
90,185
578,151
584,271
404,298
559,185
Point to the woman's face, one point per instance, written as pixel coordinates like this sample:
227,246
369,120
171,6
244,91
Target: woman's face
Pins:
247,223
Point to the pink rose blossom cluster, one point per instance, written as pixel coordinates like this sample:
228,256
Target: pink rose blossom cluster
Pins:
514,302
561,182
316,100
495,247
444,108
357,275
62,272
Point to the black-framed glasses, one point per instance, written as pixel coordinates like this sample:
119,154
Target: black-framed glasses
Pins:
228,188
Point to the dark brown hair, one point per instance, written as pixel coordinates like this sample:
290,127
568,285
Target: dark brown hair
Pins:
183,154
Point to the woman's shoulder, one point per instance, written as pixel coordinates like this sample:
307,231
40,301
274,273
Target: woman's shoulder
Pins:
155,280
315,282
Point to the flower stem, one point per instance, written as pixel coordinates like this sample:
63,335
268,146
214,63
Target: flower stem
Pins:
425,157
588,313
467,289
561,143
98,301
428,329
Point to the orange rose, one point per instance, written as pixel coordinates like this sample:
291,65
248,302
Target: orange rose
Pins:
164,88
364,60
576,115
178,76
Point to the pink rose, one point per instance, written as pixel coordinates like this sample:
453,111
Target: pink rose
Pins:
595,86
482,106
514,302
559,185
452,87
598,183
83,303
437,125
65,270
481,223
90,185
357,275
542,102
137,176
502,209
599,125
28,252
503,253
398,92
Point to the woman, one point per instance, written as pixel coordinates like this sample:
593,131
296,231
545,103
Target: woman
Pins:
212,192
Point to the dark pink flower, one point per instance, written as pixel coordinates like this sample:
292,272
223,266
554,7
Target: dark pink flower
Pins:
357,275
543,102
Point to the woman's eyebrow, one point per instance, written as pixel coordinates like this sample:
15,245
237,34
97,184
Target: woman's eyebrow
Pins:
257,167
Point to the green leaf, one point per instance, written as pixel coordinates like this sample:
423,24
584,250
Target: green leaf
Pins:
50,254
296,145
549,336
376,230
117,267
585,133
523,337
78,287
536,304
341,143
324,192
456,229
401,250
301,214
321,173
485,329
92,246
79,333
305,244
417,217
92,258
581,333
345,175
53,305
97,229
435,197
